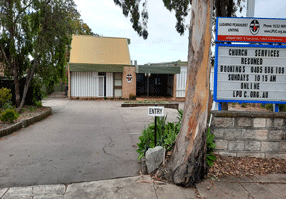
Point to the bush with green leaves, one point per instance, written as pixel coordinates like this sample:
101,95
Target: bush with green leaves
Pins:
210,148
5,96
9,115
38,104
167,135
132,96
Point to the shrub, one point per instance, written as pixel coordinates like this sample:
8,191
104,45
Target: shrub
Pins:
38,104
166,134
243,105
5,96
9,115
210,148
132,97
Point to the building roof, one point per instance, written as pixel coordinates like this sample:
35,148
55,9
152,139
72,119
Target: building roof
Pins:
86,49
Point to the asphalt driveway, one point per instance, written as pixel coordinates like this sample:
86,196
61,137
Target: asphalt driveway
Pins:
80,141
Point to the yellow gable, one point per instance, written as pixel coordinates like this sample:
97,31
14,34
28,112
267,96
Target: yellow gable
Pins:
99,50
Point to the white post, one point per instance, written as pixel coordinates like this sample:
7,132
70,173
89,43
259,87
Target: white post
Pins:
250,8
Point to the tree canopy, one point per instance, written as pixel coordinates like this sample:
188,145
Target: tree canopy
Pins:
138,12
35,36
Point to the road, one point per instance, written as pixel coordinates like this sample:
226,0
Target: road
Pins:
81,141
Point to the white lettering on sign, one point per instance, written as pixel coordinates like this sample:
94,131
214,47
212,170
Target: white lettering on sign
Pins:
251,30
156,110
250,73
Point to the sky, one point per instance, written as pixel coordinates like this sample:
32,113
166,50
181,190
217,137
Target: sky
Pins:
164,43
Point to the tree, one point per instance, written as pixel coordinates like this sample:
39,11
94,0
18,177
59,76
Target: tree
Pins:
34,37
188,162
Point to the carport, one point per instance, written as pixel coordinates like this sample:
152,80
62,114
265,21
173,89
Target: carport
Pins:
156,80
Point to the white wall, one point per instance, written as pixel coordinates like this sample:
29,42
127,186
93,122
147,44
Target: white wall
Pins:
85,84
181,82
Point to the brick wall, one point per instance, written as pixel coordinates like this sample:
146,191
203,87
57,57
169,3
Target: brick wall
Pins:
254,134
128,88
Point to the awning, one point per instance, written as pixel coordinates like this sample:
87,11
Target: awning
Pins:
158,69
108,68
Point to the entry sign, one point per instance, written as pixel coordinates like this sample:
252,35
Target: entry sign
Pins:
250,73
251,30
156,111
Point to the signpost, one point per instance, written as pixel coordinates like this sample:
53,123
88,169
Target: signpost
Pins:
250,73
251,30
156,111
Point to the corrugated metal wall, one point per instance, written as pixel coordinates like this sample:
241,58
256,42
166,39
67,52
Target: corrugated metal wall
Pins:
181,82
85,84
109,84
212,80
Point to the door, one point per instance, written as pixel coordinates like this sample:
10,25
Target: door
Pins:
101,86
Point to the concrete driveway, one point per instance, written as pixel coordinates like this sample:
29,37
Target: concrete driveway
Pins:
80,141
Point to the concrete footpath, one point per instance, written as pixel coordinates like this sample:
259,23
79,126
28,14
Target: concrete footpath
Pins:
268,186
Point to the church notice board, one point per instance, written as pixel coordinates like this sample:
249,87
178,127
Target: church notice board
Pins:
266,30
250,73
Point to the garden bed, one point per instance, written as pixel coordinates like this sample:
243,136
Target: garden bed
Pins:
29,115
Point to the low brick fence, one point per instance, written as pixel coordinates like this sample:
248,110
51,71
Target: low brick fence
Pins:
25,122
254,134
167,105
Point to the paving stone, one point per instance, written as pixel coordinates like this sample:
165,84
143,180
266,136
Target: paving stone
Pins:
269,122
225,153
270,178
222,190
255,134
223,122
233,134
252,145
269,146
282,146
250,154
221,144
278,122
172,191
236,145
276,155
19,192
132,187
276,135
2,191
243,122
49,191
259,122
218,132
257,190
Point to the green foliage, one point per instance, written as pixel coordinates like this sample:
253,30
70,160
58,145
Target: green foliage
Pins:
5,96
282,107
105,98
32,108
9,115
181,9
243,105
7,105
38,104
132,96
210,148
166,134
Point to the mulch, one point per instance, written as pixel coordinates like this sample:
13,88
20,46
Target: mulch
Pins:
246,166
27,112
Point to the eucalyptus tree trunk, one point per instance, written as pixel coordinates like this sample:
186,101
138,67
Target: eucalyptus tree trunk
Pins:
188,162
